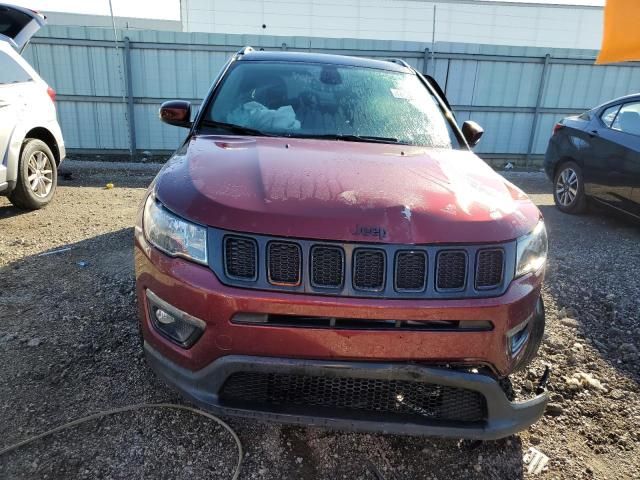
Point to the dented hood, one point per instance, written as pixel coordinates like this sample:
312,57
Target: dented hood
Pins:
335,190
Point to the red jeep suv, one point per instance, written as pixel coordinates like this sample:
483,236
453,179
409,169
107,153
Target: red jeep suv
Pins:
325,249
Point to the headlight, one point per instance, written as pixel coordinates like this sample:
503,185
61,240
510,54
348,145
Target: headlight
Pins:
172,234
532,250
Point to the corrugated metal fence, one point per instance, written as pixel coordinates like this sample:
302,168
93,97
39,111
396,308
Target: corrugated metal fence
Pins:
108,97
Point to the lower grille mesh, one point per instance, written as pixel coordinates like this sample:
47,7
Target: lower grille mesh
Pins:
426,402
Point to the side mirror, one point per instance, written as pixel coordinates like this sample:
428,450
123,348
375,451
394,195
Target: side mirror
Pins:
472,132
176,112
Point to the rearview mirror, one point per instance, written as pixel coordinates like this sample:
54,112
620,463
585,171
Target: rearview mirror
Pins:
472,132
176,112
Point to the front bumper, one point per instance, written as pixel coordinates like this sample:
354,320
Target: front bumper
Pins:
203,387
195,290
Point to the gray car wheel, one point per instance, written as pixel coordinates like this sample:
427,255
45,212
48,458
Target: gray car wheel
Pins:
568,188
37,176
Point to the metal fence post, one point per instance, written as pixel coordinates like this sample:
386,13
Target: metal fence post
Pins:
129,90
425,62
536,111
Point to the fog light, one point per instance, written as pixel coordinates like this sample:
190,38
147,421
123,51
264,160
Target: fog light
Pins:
163,317
178,326
518,339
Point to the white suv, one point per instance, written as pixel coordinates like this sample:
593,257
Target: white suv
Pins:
31,144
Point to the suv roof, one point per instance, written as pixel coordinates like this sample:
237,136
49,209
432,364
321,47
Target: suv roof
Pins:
250,55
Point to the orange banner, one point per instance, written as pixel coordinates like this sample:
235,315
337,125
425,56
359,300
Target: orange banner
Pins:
621,36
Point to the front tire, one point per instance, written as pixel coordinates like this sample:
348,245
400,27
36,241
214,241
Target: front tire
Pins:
568,189
37,176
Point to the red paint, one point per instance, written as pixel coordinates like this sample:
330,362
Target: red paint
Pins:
322,189
195,289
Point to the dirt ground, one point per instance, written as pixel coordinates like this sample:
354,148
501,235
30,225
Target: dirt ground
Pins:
69,347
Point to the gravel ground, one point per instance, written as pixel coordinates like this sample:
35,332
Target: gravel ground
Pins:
69,347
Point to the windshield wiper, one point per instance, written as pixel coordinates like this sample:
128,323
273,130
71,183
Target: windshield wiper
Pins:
240,130
353,138
237,129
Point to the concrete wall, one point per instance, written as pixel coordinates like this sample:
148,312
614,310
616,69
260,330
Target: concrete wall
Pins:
497,23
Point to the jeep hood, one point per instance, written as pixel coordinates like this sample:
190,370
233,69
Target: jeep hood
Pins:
346,191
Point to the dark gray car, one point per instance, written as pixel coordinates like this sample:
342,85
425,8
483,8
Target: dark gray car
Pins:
596,156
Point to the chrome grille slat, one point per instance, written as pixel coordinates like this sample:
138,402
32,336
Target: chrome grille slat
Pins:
241,257
411,271
368,269
452,270
489,268
327,266
284,263
418,272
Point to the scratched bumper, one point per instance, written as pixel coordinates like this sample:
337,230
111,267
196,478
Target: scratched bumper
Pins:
502,417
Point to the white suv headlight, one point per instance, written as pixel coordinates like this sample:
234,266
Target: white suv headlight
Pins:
532,250
173,235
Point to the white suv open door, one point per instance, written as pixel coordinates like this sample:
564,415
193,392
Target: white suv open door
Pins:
18,25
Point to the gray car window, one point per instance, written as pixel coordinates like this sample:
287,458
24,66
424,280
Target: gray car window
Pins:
628,119
609,115
10,71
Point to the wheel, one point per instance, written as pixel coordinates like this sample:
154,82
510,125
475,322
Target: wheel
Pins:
536,333
568,189
37,176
